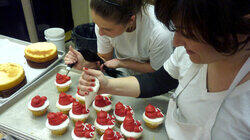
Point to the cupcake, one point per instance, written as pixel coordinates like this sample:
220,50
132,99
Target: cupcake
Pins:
121,111
107,95
38,105
110,134
62,82
152,116
80,97
64,104
83,131
57,123
102,103
131,128
104,121
78,112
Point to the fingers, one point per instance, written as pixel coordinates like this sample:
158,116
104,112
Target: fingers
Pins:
70,58
86,83
92,73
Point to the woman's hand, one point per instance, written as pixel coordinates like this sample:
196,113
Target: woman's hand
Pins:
73,56
87,81
113,63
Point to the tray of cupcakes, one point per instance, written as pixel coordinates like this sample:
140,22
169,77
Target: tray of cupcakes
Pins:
22,63
53,108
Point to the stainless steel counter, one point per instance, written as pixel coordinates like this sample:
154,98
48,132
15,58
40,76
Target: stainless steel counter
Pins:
137,104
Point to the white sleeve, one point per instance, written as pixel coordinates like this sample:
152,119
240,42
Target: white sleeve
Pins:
233,119
161,47
103,43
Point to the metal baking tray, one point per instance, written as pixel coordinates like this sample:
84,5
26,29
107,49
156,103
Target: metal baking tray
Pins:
17,120
12,50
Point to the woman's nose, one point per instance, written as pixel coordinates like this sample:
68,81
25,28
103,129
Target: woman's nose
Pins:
178,40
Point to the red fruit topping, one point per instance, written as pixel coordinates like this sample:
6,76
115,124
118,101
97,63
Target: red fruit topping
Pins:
110,134
152,112
103,118
56,118
38,101
122,110
84,129
78,108
65,99
101,101
61,79
131,125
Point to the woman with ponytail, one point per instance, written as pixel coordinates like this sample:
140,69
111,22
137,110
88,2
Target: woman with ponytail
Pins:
130,30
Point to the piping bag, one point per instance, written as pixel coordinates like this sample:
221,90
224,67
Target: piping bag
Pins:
91,96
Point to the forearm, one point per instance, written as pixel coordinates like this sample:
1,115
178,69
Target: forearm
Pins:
157,83
127,86
136,66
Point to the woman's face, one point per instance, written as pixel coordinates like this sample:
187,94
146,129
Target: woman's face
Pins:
107,27
199,53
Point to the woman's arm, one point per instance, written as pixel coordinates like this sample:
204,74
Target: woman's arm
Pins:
146,85
136,66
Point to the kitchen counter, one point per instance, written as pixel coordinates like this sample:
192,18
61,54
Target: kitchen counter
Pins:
137,104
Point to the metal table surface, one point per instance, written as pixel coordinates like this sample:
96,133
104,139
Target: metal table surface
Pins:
137,104
12,50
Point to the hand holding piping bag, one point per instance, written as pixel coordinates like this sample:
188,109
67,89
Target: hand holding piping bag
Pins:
93,82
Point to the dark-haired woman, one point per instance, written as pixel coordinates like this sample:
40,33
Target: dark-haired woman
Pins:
212,100
130,29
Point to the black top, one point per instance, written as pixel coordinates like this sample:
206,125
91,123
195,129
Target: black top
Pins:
156,83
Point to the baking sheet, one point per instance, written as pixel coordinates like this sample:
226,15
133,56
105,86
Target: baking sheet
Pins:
15,118
14,52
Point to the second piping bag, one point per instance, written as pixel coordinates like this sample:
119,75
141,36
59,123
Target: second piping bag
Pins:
91,96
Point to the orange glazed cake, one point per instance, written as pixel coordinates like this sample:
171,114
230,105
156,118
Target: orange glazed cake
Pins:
12,78
40,54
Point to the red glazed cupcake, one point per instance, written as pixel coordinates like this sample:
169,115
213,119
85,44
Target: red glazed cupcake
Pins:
121,111
152,116
64,104
38,105
57,123
104,121
83,131
110,134
131,127
102,103
78,112
62,82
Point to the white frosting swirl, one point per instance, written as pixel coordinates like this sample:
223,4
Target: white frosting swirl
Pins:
68,83
64,107
103,127
74,137
45,105
57,127
156,120
106,108
119,118
130,134
75,116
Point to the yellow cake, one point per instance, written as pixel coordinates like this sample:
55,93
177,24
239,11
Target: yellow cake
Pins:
11,76
40,52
